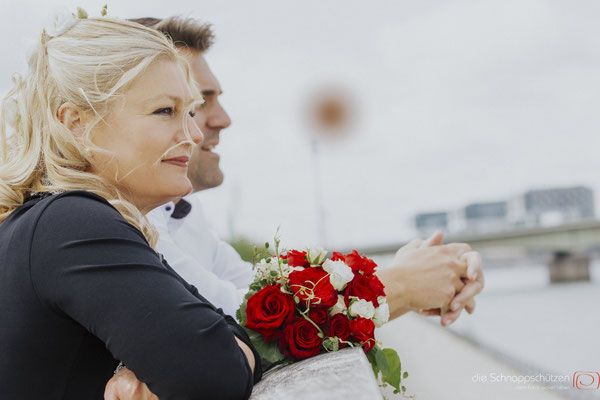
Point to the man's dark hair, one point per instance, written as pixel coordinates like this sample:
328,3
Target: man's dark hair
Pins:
184,32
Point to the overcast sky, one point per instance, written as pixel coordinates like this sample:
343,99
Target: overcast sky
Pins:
457,101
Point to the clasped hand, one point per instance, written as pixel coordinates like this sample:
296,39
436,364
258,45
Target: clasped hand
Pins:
433,279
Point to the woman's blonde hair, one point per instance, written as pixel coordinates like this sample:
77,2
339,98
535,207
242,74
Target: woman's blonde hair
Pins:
89,65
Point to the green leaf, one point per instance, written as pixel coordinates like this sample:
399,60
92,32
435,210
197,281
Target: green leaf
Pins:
331,344
240,314
267,351
373,361
390,366
266,245
405,375
81,13
104,9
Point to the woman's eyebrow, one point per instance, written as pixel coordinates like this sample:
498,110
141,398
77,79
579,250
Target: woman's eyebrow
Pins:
176,99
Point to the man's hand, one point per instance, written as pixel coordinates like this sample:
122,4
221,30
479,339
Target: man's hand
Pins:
426,275
125,386
423,277
474,283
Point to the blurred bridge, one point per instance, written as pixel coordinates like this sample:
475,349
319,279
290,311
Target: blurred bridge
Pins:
570,246
580,237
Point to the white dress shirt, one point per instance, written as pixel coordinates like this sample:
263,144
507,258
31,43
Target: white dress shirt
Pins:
195,252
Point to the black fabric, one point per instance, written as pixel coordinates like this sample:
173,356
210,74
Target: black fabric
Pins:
80,288
182,209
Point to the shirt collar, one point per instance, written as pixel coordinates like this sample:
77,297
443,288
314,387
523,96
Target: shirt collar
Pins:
182,209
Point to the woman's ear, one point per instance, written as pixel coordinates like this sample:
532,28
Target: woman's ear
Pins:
71,117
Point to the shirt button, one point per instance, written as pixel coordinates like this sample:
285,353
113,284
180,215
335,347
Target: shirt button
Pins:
168,208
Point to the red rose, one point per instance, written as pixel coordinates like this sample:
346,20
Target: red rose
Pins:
313,283
337,256
364,287
318,315
296,258
268,310
363,331
360,264
300,340
339,325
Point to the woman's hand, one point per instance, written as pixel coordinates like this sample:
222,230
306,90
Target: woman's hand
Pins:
247,352
474,283
124,385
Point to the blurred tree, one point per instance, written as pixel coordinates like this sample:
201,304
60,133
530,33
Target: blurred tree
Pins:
245,247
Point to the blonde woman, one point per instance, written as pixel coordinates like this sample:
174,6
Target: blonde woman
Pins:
98,133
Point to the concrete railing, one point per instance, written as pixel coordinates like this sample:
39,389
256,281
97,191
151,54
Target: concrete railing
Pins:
345,374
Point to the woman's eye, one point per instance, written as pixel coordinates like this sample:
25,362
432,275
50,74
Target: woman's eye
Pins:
164,111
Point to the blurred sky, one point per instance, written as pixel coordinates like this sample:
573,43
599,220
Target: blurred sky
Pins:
457,101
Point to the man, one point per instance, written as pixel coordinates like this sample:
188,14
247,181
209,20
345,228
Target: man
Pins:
425,276
195,251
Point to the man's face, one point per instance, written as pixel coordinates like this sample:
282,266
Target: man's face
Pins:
203,169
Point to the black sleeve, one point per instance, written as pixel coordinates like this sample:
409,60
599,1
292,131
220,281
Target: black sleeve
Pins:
87,263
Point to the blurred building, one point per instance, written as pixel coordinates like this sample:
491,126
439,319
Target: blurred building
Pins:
540,207
427,223
550,206
486,217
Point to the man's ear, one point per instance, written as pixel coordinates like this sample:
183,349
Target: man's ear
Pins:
71,117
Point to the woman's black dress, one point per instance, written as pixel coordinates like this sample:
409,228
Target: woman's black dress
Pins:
80,288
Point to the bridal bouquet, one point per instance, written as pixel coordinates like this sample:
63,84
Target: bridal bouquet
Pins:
301,304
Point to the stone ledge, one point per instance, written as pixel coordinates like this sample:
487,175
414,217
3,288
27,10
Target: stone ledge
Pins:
345,374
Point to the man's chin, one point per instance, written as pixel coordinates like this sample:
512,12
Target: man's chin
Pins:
207,182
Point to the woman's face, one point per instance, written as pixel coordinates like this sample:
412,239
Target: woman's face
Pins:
144,133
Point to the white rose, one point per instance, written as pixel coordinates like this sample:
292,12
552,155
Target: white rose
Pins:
265,268
60,21
315,255
381,300
339,273
382,315
339,307
362,308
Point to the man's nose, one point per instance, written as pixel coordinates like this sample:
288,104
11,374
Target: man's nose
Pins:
219,119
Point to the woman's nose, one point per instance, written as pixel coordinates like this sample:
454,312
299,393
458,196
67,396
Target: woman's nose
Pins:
195,132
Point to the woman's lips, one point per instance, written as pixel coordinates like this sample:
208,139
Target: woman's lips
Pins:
178,161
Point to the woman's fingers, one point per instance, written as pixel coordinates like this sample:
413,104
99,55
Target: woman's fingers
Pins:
430,312
470,306
109,393
471,289
449,317
473,260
